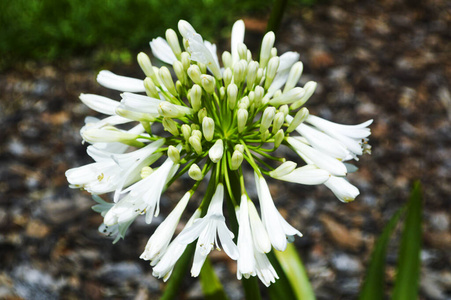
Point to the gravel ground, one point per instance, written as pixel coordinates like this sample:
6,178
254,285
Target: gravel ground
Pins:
388,61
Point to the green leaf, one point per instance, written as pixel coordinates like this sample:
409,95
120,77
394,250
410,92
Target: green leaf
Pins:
373,285
282,288
294,269
211,286
408,269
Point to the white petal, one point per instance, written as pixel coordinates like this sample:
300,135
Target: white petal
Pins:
308,175
162,50
342,189
98,103
236,39
121,83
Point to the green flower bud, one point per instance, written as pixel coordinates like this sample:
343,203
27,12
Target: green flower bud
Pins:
291,96
146,171
173,41
180,72
202,67
186,131
271,71
300,117
278,138
196,97
242,116
216,151
195,173
264,136
239,71
194,141
186,61
284,169
267,44
260,73
242,51
252,74
202,114
171,126
194,73
228,76
309,88
237,159
259,92
174,154
273,51
196,132
146,65
279,119
284,108
208,128
151,89
239,147
166,78
244,102
227,59
232,92
267,117
222,92
208,83
170,110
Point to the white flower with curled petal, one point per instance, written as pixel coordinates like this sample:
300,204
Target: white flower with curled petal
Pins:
120,83
308,175
99,103
342,189
198,50
207,229
246,260
287,60
277,228
162,50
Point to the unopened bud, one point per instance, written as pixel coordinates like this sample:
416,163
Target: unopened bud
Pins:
146,65
196,97
278,138
195,127
309,88
284,169
260,74
196,132
166,78
271,71
174,154
227,59
186,61
259,92
180,72
294,76
242,116
267,117
252,74
194,73
237,160
300,117
216,151
273,51
170,110
186,131
222,92
146,171
151,89
171,126
239,71
179,88
279,119
284,108
173,41
208,83
202,67
195,173
291,96
239,147
227,76
267,44
242,51
232,92
208,128
264,136
244,102
202,114
194,141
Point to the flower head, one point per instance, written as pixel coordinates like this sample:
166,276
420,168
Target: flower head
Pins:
215,121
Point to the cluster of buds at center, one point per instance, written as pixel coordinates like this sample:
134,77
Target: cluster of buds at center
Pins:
216,120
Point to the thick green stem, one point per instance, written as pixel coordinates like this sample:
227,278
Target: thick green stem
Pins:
276,15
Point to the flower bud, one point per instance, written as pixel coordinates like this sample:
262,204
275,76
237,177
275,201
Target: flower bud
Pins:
151,89
249,56
279,119
196,132
195,127
196,97
202,114
180,72
259,92
222,92
216,151
284,109
271,71
252,74
278,138
237,159
284,169
232,92
170,110
171,126
194,73
244,102
228,76
195,173
208,83
202,67
294,76
273,51
242,51
146,171
242,116
186,131
267,44
194,141
179,88
146,65
300,117
239,147
173,41
264,136
174,154
260,74
239,71
267,117
208,128
186,61
309,88
109,134
291,96
227,59
166,78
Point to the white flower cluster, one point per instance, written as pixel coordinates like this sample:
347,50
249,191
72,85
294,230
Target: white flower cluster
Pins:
242,112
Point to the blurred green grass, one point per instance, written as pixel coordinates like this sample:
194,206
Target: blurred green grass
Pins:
47,29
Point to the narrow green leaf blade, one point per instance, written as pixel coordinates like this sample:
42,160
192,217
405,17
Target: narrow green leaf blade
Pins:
282,288
296,274
373,285
408,269
211,286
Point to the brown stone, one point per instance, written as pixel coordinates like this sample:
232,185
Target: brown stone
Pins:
350,239
37,229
